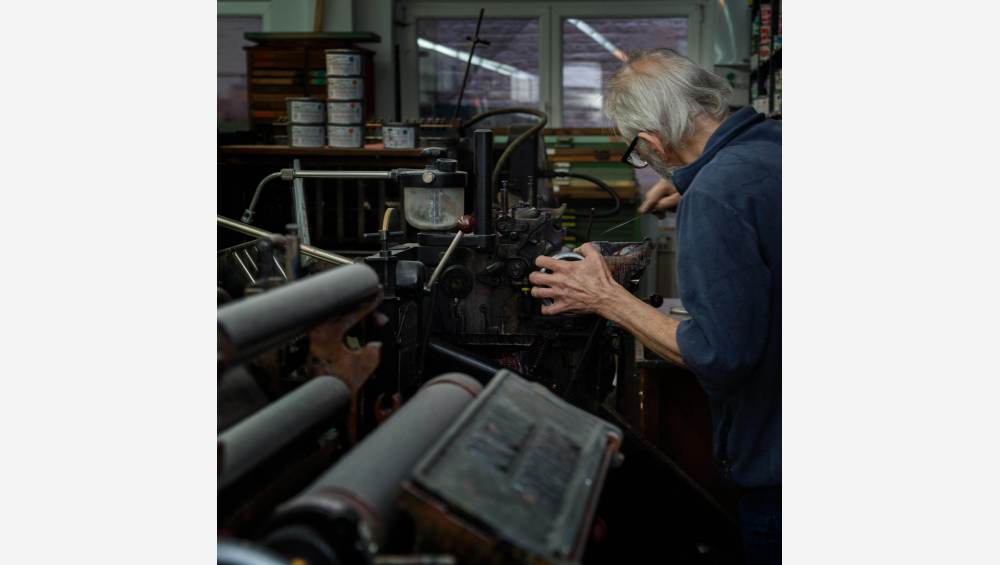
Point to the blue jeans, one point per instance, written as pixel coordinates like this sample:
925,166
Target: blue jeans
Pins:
760,525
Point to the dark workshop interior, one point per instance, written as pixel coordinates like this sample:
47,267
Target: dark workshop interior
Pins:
399,182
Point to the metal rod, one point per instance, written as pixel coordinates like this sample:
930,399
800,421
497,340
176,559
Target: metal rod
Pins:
299,203
280,269
476,366
253,281
378,175
612,228
253,264
397,96
304,249
443,261
468,64
483,158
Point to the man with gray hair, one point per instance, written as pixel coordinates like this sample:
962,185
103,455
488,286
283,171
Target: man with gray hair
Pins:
727,172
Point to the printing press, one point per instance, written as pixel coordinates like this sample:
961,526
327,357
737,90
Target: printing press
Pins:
413,405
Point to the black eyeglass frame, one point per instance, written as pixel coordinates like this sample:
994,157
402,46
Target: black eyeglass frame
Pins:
628,155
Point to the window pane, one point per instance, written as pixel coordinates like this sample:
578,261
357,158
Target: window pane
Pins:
232,70
593,49
503,74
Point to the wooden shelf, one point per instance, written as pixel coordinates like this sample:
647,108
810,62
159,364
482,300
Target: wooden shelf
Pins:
346,36
373,151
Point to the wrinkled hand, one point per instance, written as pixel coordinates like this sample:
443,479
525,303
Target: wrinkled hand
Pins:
662,197
574,286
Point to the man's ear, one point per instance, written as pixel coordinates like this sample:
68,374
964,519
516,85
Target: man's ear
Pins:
654,142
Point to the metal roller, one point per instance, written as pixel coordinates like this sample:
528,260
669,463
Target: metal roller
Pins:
263,434
236,552
253,325
347,512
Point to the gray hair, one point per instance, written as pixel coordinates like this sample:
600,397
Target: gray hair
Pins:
659,90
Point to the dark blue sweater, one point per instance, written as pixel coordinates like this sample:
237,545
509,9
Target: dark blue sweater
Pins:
729,274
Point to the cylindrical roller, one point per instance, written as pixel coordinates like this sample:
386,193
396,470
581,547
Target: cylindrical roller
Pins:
483,148
254,325
353,504
233,552
477,366
258,437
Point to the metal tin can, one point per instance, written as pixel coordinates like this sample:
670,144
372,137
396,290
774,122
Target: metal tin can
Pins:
305,135
345,88
400,135
348,112
564,256
344,135
343,62
305,110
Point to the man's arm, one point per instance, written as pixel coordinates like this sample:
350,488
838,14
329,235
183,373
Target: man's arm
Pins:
587,286
653,328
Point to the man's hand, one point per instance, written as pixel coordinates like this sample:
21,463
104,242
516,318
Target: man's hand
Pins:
574,286
662,197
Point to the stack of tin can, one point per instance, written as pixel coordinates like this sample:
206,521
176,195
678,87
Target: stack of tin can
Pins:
305,122
345,89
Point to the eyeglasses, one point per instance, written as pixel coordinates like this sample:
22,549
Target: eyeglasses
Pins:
631,156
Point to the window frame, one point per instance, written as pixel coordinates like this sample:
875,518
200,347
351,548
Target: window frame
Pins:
693,11
550,18
409,68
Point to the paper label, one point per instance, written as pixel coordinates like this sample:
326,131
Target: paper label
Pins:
344,88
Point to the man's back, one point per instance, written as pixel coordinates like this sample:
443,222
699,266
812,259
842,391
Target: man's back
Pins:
729,273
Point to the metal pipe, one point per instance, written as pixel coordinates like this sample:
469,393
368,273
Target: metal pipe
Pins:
248,214
256,324
263,434
443,261
483,148
236,552
263,234
377,175
363,486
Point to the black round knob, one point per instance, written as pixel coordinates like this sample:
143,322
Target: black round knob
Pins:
447,165
457,281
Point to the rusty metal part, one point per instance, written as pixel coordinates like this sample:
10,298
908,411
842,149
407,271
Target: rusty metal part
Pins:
361,489
309,250
259,436
331,355
326,343
253,325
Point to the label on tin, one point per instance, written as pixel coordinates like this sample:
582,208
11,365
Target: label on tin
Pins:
344,112
399,137
305,136
305,112
344,136
352,88
343,64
